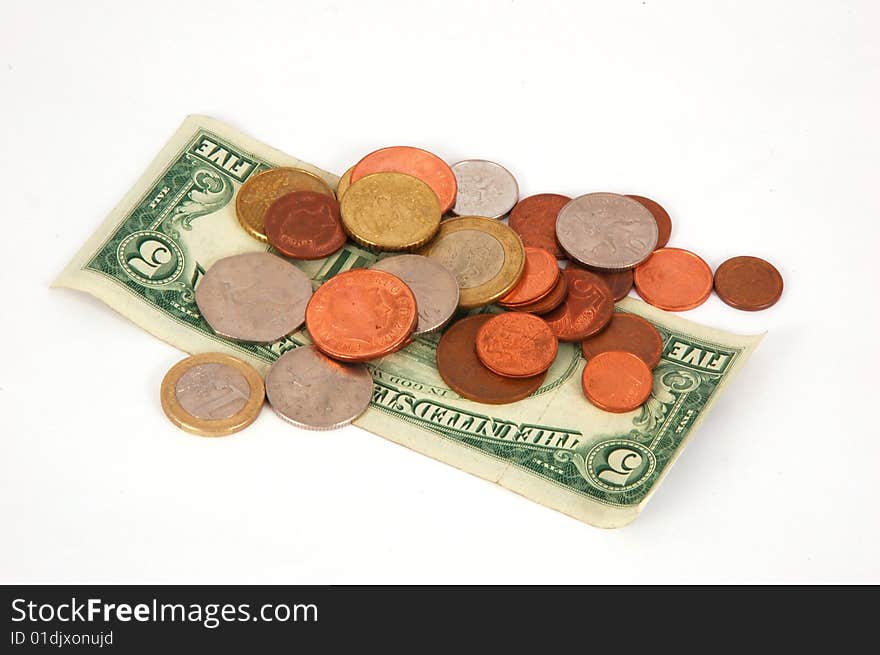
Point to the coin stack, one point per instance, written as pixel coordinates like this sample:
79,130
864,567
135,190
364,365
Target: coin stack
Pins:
553,266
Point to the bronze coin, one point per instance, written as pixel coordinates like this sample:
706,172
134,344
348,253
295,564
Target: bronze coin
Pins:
664,223
629,333
620,282
534,220
549,302
517,345
748,283
462,370
586,310
674,279
305,225
617,381
538,279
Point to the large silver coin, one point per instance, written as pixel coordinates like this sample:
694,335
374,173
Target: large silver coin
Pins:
606,231
484,189
254,297
435,288
312,391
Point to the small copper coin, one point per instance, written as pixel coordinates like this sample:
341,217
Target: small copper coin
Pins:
629,333
361,314
748,283
617,381
674,279
534,220
620,282
426,166
517,345
664,223
587,308
549,302
305,225
538,278
461,369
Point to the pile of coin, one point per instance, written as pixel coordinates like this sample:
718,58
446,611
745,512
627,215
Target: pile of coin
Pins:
468,242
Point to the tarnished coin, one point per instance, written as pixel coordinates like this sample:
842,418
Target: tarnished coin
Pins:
620,282
343,184
664,223
312,391
212,394
629,333
748,283
305,225
260,191
434,287
361,314
674,279
606,231
539,276
484,255
424,165
461,369
484,189
587,308
255,297
617,381
534,220
516,345
390,211
549,302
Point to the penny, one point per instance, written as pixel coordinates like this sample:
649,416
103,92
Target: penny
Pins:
629,333
606,231
617,381
539,276
261,190
462,371
424,165
305,225
484,189
344,183
254,296
588,307
485,256
212,394
435,288
312,391
748,283
361,314
390,211
674,279
534,220
661,216
549,302
516,345
620,282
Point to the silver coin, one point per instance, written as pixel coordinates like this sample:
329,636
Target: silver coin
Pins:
312,391
606,231
254,297
484,189
435,288
212,391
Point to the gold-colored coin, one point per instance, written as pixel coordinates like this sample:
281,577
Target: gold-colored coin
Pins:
260,191
212,394
486,257
344,183
390,211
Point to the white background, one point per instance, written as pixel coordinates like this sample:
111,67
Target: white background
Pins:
754,124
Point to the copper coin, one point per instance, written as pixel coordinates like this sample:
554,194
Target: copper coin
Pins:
305,225
538,278
549,302
461,369
674,279
361,314
534,220
517,345
748,283
426,166
617,381
664,223
629,333
620,282
587,308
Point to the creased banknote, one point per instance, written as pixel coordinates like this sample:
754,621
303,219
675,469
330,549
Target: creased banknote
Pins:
553,447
